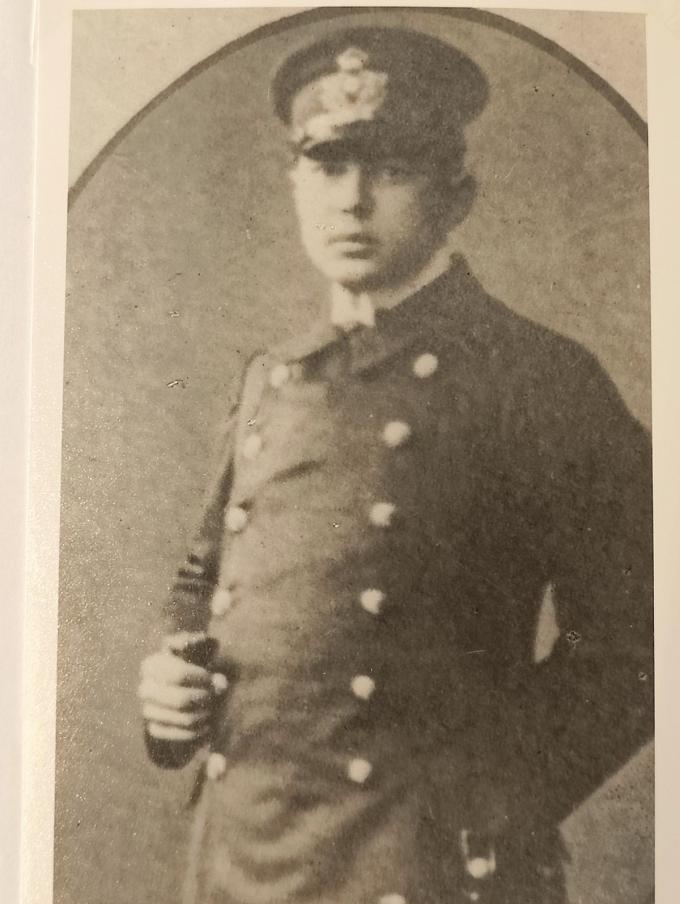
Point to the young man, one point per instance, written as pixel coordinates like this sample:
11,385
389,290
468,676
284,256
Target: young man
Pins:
357,616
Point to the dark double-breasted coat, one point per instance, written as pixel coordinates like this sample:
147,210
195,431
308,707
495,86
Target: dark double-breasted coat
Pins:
391,507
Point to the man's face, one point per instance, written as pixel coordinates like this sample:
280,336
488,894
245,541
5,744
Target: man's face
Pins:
366,224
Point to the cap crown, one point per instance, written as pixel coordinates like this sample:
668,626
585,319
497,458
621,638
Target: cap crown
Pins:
384,88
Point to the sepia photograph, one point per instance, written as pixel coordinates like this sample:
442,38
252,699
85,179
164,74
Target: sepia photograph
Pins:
356,549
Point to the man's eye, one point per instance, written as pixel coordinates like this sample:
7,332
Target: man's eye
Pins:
397,170
334,167
330,167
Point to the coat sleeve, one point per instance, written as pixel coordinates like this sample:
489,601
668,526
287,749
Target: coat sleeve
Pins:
187,607
583,711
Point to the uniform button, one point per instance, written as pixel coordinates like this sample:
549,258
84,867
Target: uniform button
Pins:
216,766
372,601
279,375
236,518
252,446
392,899
480,867
221,601
425,365
219,682
382,514
396,433
358,770
363,686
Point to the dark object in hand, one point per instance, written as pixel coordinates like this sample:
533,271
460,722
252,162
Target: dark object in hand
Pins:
198,649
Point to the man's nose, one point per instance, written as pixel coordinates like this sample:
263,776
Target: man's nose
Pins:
354,190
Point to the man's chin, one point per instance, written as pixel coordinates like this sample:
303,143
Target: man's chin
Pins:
354,279
366,275
358,275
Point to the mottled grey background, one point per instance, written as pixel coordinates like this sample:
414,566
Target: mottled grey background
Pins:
183,258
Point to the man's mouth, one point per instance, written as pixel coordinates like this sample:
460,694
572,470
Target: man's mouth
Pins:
353,244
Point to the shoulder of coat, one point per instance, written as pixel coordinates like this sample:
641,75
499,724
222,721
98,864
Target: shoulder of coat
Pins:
529,348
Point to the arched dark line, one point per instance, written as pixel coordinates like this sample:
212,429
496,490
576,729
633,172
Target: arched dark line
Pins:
492,20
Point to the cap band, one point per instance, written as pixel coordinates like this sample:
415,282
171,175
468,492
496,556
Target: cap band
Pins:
391,89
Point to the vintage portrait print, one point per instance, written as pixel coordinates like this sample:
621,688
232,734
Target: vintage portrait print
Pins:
355,599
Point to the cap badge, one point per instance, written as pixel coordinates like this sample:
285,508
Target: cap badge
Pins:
352,94
351,60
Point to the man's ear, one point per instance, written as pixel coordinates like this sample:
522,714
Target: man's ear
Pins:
292,162
461,197
294,170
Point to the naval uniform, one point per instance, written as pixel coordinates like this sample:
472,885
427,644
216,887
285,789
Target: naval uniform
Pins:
391,506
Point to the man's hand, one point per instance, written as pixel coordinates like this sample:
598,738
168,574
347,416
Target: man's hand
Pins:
178,694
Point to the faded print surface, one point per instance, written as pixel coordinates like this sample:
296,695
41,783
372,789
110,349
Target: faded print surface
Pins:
183,259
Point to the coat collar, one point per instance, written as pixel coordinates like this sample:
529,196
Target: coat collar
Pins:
450,309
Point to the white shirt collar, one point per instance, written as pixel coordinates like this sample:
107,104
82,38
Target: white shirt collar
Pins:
350,309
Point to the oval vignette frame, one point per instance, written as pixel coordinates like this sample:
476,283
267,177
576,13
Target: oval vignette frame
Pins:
483,17
93,451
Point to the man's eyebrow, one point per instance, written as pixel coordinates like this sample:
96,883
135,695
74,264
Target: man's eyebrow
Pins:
335,153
